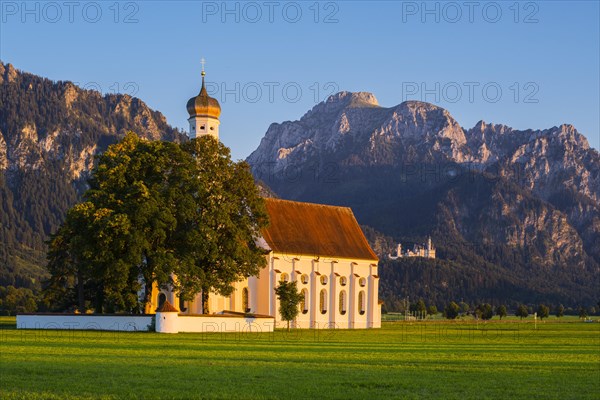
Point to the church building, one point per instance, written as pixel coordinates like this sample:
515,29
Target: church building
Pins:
320,247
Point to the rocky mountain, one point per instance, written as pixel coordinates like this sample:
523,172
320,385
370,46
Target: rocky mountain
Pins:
49,135
489,194
514,214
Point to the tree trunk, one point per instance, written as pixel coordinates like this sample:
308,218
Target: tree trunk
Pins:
99,300
80,292
288,326
205,309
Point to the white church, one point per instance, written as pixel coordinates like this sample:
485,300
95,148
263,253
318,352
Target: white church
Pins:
320,247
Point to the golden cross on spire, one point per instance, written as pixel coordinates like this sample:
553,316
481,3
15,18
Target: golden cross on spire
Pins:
203,61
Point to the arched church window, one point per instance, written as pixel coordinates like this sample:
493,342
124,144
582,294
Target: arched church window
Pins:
284,277
361,302
304,302
323,301
304,279
362,282
161,300
245,303
182,306
342,302
343,281
323,280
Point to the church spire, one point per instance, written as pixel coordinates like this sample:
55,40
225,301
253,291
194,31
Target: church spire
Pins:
204,112
203,73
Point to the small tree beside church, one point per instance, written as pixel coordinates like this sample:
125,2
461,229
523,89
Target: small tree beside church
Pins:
289,300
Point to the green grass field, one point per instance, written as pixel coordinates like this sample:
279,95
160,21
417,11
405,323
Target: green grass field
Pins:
445,360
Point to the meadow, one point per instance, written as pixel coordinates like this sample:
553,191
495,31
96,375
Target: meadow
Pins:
412,360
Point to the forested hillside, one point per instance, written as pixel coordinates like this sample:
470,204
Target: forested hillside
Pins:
49,135
514,214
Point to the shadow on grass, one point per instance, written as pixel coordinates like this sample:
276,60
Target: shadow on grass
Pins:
8,322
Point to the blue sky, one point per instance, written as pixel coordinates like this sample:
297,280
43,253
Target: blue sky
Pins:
523,64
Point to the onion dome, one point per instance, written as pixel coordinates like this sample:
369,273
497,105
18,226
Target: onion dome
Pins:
203,105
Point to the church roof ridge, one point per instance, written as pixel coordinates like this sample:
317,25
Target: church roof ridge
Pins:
317,230
308,203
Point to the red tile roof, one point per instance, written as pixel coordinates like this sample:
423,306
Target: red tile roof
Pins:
168,307
315,230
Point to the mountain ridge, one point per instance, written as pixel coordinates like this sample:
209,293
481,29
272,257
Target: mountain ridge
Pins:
486,194
50,133
411,169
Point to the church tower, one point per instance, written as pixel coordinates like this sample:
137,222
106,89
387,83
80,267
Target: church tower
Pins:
204,113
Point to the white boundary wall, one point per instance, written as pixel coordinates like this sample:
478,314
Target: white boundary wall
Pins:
86,322
131,323
241,324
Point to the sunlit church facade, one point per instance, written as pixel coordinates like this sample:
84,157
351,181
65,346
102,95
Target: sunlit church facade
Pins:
320,247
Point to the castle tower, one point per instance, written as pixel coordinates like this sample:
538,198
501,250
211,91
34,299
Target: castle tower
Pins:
430,252
204,113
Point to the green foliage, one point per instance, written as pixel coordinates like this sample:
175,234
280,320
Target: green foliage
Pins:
451,310
156,210
501,311
583,312
464,308
484,311
560,311
289,300
432,310
34,200
17,300
522,311
419,307
543,311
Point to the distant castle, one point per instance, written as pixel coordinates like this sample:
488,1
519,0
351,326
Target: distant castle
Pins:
418,250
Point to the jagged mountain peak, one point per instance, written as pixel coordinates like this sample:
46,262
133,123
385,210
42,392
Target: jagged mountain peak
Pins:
8,73
554,165
347,122
343,100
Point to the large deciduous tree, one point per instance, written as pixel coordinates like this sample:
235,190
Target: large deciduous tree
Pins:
184,217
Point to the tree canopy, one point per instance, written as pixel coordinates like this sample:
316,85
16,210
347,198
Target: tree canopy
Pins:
501,311
451,310
522,311
183,216
289,299
543,311
484,311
